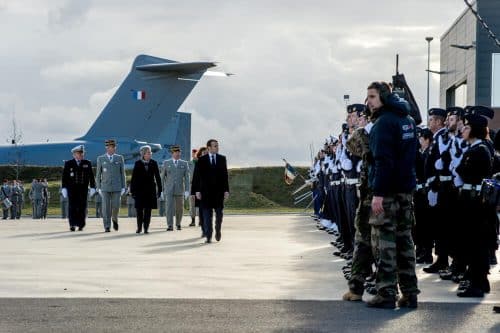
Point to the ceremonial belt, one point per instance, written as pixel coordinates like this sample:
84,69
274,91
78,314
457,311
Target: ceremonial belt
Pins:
470,187
421,186
445,178
352,181
335,182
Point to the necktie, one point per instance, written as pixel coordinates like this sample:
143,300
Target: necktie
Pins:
213,160
175,162
78,163
111,158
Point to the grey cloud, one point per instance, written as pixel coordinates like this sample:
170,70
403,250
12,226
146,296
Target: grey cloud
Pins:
71,13
293,61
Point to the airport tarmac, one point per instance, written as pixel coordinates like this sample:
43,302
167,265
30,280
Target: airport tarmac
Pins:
264,259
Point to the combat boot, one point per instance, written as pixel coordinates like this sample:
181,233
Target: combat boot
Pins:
381,302
350,296
408,301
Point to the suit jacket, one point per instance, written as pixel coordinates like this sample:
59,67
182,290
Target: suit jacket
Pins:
175,179
77,177
110,175
211,181
144,183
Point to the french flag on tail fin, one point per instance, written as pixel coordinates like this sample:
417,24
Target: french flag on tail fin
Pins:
138,95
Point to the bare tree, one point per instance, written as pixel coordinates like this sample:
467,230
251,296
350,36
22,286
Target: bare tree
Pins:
15,139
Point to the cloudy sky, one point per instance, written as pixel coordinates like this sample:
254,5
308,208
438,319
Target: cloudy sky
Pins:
61,61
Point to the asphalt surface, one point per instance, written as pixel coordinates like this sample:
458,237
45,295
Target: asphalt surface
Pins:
172,315
268,274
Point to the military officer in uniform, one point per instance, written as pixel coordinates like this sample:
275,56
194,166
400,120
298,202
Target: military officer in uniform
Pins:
21,199
475,225
440,185
77,176
175,180
111,184
7,193
362,259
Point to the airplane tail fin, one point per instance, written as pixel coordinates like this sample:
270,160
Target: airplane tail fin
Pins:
145,105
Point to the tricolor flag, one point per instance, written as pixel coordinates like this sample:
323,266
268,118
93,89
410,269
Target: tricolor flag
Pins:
138,94
290,173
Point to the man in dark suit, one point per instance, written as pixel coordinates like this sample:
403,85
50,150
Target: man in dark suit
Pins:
211,186
77,175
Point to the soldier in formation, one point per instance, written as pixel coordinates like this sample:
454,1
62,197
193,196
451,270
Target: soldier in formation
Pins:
419,187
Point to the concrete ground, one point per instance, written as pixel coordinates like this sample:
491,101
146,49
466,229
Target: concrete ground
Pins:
269,273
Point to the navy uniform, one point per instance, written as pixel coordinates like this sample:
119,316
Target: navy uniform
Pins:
349,163
77,176
363,259
7,193
474,167
423,227
441,193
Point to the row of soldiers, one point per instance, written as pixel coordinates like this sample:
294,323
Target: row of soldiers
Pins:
453,216
14,192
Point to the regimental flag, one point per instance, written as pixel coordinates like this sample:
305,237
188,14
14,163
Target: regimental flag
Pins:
139,95
290,174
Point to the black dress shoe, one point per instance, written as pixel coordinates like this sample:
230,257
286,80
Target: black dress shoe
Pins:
435,267
146,231
208,241
80,228
107,230
138,231
115,226
218,235
192,224
496,309
178,227
446,275
471,292
170,229
72,228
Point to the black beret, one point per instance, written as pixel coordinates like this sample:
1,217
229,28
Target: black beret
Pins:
360,109
455,111
475,120
480,110
437,112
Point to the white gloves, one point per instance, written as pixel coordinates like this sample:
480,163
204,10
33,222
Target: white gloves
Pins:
186,195
92,192
439,164
100,192
346,164
162,197
123,191
64,192
433,198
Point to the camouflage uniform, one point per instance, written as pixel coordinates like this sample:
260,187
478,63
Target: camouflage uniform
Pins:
391,235
362,257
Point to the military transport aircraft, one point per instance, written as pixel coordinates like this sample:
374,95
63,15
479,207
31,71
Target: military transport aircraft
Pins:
144,110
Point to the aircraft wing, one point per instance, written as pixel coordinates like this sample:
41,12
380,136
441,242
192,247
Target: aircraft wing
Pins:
178,67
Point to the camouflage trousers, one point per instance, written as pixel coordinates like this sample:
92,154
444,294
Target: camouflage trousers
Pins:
395,251
362,258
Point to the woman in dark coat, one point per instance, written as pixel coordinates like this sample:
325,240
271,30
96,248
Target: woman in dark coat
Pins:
143,187
475,230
